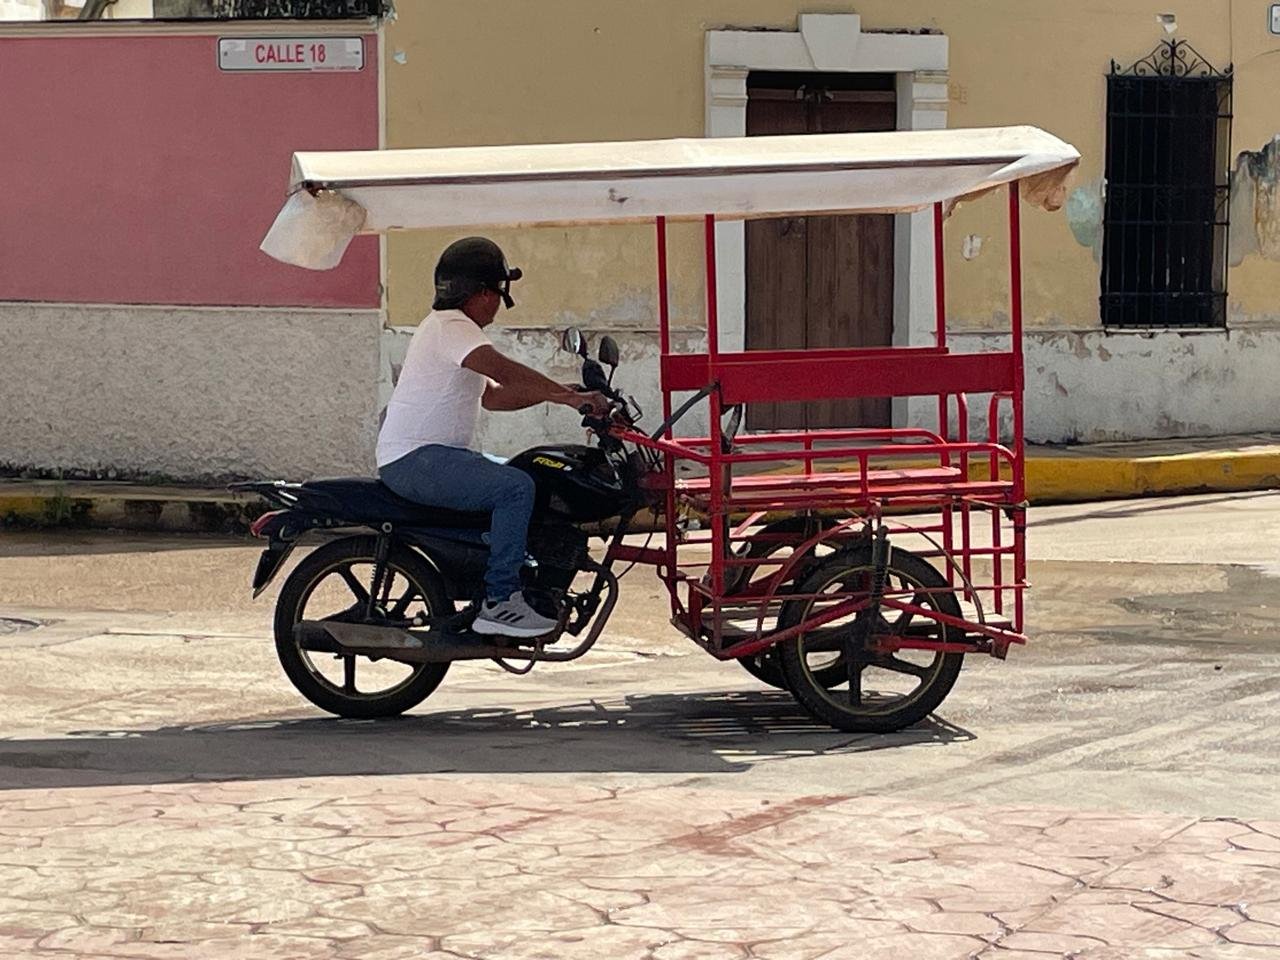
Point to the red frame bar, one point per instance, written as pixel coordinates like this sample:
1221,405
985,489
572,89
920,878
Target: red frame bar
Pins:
664,309
718,482
768,376
685,371
669,472
939,280
1019,445
1015,314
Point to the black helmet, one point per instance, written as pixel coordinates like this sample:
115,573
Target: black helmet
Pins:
469,266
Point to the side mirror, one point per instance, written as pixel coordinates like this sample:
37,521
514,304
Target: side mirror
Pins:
609,351
572,341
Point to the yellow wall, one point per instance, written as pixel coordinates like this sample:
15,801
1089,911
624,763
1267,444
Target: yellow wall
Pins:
510,71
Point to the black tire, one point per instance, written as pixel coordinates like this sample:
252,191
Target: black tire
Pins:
423,678
832,705
764,666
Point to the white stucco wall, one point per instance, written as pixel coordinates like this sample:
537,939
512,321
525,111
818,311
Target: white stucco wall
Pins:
1094,387
188,393
200,394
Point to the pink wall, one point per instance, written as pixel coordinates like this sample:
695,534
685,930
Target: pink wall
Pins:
133,170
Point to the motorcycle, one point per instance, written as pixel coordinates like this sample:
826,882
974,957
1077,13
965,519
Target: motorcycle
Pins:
396,596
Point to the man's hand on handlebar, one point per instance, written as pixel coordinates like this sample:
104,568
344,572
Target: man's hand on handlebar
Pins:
591,403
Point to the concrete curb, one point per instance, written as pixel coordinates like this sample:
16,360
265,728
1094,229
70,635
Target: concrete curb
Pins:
125,506
1054,475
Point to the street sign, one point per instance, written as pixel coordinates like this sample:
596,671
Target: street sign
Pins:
312,54
1275,19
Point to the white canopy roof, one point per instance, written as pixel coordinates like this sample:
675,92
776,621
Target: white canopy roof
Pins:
335,195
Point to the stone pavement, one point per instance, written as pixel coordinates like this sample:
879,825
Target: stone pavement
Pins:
365,868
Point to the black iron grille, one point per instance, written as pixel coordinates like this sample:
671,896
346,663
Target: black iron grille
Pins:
300,9
1164,258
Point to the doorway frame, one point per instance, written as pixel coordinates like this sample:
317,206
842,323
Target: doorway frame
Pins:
831,43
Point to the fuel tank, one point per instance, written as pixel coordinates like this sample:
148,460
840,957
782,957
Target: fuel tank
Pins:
574,482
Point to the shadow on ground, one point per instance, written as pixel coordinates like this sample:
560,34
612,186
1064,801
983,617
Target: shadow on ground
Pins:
690,733
1140,507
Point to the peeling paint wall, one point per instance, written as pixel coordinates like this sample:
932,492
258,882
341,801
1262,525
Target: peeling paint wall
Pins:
1255,204
200,394
1084,212
1092,387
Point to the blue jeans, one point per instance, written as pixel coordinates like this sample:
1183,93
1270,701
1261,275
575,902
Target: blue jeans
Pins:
458,479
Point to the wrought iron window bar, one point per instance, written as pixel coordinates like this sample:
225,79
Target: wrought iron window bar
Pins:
1164,260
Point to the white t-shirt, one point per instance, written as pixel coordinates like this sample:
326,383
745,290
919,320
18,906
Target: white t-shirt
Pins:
437,399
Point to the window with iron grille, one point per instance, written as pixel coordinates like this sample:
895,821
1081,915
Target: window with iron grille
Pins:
1164,255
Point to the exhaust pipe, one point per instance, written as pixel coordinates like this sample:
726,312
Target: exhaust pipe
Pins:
443,645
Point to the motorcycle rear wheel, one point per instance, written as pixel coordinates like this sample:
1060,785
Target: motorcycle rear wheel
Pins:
413,586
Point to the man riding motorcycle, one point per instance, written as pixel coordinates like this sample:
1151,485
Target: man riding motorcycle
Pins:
426,447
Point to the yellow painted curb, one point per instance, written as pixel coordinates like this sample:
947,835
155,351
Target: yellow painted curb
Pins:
1065,479
125,507
25,508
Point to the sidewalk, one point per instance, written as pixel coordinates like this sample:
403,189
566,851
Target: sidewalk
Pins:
356,868
1088,472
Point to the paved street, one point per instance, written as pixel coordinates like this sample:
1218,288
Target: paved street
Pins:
1109,792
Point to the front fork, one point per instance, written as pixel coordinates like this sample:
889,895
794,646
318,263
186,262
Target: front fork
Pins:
858,639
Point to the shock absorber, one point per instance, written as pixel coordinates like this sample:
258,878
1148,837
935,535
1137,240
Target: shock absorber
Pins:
857,641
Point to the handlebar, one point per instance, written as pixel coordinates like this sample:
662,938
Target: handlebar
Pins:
616,413
619,409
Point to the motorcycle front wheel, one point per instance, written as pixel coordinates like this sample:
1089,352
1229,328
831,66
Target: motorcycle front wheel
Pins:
333,583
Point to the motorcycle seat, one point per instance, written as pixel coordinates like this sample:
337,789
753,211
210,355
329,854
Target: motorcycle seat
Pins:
368,501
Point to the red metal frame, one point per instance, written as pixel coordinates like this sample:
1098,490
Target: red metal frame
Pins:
858,476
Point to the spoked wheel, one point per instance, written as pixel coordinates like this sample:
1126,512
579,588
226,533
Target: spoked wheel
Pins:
333,583
764,666
893,688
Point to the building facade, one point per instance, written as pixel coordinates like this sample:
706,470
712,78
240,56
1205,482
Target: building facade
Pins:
1152,300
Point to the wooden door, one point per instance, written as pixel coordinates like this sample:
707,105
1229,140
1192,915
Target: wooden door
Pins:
820,281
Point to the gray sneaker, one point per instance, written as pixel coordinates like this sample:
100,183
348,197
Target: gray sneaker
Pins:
512,617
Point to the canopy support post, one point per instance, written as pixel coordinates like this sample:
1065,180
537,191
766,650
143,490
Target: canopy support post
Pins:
1015,313
939,280
940,319
719,472
664,313
1019,444
669,467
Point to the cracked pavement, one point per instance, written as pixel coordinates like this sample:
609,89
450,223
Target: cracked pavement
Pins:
1107,793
